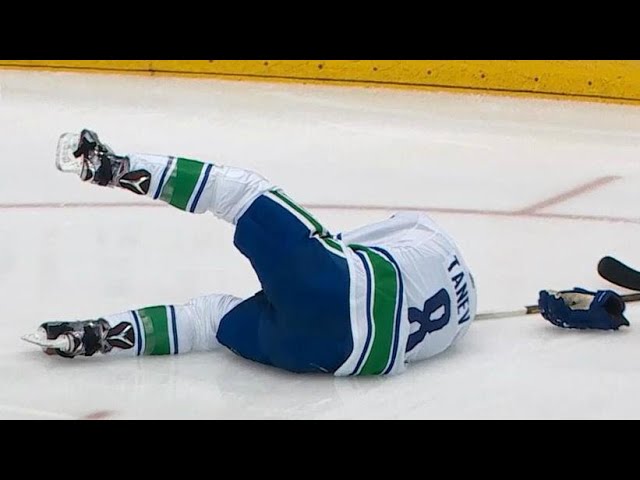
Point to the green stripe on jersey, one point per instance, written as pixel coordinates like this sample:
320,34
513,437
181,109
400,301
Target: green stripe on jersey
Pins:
318,227
332,244
385,301
182,182
156,330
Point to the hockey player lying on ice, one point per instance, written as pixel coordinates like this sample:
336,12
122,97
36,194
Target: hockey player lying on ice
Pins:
365,302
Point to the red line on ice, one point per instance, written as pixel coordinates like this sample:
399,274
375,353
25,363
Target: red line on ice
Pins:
525,213
98,415
564,196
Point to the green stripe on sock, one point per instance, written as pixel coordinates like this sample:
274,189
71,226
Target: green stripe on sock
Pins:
182,182
318,227
385,297
156,330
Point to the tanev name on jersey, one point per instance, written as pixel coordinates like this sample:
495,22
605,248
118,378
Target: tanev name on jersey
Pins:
462,293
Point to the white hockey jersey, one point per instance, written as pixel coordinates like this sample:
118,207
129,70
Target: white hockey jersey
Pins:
412,294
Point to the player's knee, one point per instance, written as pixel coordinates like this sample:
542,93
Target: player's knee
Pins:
206,313
241,327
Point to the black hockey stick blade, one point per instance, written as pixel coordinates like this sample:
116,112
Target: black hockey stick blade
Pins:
618,273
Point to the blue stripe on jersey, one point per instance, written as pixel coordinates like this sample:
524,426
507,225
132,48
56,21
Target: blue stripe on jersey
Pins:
205,177
139,332
164,175
175,329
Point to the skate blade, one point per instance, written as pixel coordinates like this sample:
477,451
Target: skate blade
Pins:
40,339
65,160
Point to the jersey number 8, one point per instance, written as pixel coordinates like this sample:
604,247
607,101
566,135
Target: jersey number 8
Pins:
440,302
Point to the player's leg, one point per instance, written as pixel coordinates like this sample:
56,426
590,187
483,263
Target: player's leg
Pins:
305,279
190,185
302,270
270,225
157,330
251,328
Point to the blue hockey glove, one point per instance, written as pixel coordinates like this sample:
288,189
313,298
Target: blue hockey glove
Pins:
580,308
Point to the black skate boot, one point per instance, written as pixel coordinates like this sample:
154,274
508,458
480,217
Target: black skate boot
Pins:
85,338
91,159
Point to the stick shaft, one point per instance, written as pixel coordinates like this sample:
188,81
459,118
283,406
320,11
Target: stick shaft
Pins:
632,297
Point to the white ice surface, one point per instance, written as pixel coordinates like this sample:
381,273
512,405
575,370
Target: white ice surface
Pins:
328,147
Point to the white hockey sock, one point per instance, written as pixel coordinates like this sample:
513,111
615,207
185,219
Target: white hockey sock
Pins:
195,186
173,329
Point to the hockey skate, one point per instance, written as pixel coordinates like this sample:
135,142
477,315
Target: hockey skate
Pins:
84,338
89,158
